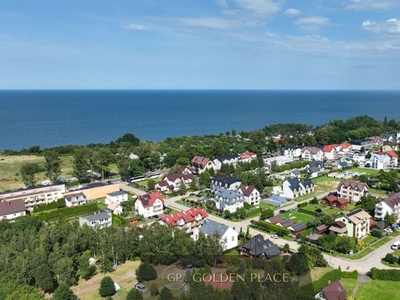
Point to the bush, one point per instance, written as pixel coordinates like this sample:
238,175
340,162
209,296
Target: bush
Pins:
146,272
352,274
377,233
314,201
107,287
392,275
390,258
68,212
305,211
60,203
265,226
318,210
316,286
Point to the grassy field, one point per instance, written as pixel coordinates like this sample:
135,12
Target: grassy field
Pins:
366,251
297,216
313,275
322,185
325,209
10,165
378,192
348,284
378,289
365,170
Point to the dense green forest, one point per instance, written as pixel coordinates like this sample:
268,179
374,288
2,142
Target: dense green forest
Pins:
39,258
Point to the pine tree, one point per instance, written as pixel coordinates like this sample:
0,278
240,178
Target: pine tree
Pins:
165,294
107,287
134,294
63,292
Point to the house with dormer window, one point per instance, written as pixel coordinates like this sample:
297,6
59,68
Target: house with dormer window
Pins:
293,187
250,193
226,182
383,160
352,190
312,153
226,199
186,220
226,159
388,206
357,223
200,164
149,204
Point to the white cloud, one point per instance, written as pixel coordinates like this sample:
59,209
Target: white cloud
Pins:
311,23
372,4
262,7
388,26
136,27
292,12
209,22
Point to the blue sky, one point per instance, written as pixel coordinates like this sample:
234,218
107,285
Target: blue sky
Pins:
200,44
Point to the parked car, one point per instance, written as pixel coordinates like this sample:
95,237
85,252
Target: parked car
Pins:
395,246
282,211
140,287
275,236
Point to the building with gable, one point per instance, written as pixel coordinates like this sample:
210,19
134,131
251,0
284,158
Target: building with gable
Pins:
333,291
250,193
383,160
100,220
74,199
149,204
388,206
230,183
173,182
312,153
293,187
247,157
200,164
357,223
352,190
258,247
186,220
230,159
10,210
226,199
118,196
228,237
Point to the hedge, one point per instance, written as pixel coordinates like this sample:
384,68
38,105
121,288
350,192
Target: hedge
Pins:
60,203
118,220
308,212
392,275
68,212
270,227
352,274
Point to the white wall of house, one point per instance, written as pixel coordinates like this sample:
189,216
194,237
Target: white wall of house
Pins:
116,198
13,215
155,209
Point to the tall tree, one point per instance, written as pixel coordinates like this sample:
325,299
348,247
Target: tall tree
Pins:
28,172
44,278
63,292
80,164
53,165
107,287
134,294
165,294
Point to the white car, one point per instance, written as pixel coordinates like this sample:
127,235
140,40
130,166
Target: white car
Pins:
395,246
275,236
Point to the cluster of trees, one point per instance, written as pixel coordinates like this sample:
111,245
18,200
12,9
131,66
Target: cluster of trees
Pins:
343,244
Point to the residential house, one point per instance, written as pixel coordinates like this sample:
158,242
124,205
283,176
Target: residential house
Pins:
312,153
342,165
229,183
297,229
357,223
100,220
320,229
352,190
36,195
330,151
118,196
173,182
258,247
186,220
10,210
115,208
201,164
316,164
312,172
360,145
149,204
227,235
226,199
247,157
346,147
184,169
226,159
359,157
286,223
334,201
97,190
378,141
293,188
333,291
291,152
274,220
339,228
389,206
250,193
75,199
295,173
383,160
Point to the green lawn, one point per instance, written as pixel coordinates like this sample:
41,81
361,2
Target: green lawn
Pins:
366,251
378,192
324,178
369,239
348,284
263,204
378,289
297,216
368,171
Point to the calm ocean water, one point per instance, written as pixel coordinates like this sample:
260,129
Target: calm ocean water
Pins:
51,118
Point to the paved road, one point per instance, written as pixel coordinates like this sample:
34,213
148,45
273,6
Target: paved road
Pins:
363,265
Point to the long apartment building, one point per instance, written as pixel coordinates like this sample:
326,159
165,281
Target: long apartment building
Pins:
36,195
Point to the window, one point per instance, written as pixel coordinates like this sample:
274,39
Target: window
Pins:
233,238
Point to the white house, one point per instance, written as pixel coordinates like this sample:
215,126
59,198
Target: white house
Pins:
331,151
293,188
292,152
201,164
247,156
173,182
229,183
100,220
312,153
75,199
149,204
226,159
226,199
250,193
352,190
228,236
186,220
389,206
357,223
383,160
10,210
115,208
119,196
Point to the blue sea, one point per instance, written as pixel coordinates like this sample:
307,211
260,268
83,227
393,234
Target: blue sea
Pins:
53,118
